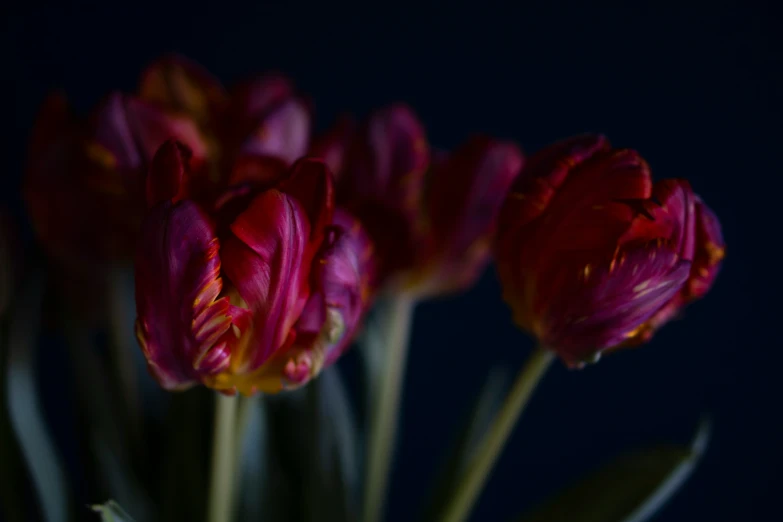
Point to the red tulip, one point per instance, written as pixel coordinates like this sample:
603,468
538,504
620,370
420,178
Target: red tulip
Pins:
593,256
84,183
430,220
268,118
255,292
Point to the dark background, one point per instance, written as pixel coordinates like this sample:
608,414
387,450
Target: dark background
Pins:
696,89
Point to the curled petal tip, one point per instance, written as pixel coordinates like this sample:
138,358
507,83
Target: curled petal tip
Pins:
168,173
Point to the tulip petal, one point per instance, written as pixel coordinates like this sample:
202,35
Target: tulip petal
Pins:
260,172
284,133
545,172
267,118
709,251
342,280
183,86
465,193
133,130
591,197
184,327
389,163
585,217
583,311
310,182
672,218
263,257
261,95
168,173
333,146
65,191
383,183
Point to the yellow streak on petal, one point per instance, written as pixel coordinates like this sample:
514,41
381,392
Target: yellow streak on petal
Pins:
101,155
641,286
715,254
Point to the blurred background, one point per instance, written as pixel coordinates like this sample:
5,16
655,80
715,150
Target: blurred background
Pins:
697,90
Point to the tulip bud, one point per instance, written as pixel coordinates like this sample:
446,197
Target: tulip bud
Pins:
591,254
255,293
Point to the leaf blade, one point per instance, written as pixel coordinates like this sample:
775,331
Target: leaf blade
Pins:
111,511
631,488
24,408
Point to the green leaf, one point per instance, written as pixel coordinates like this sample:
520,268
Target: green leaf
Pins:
475,426
112,512
24,408
108,441
13,476
632,488
254,482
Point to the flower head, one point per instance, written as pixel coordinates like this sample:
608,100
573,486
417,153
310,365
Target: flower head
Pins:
430,215
84,182
255,291
592,255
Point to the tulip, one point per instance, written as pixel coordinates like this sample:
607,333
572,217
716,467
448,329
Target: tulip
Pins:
85,180
267,118
84,183
592,255
431,216
257,291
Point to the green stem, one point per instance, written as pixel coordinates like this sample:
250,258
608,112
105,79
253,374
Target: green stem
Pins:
223,459
472,481
384,413
244,412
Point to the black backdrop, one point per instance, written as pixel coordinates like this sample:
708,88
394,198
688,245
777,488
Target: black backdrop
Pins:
695,89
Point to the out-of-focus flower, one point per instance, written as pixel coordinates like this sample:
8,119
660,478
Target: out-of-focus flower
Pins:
85,179
182,86
267,117
593,256
84,182
255,292
430,218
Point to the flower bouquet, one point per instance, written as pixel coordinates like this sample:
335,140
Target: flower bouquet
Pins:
212,237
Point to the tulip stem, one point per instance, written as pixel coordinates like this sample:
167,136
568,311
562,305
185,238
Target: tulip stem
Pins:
386,404
470,484
223,459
